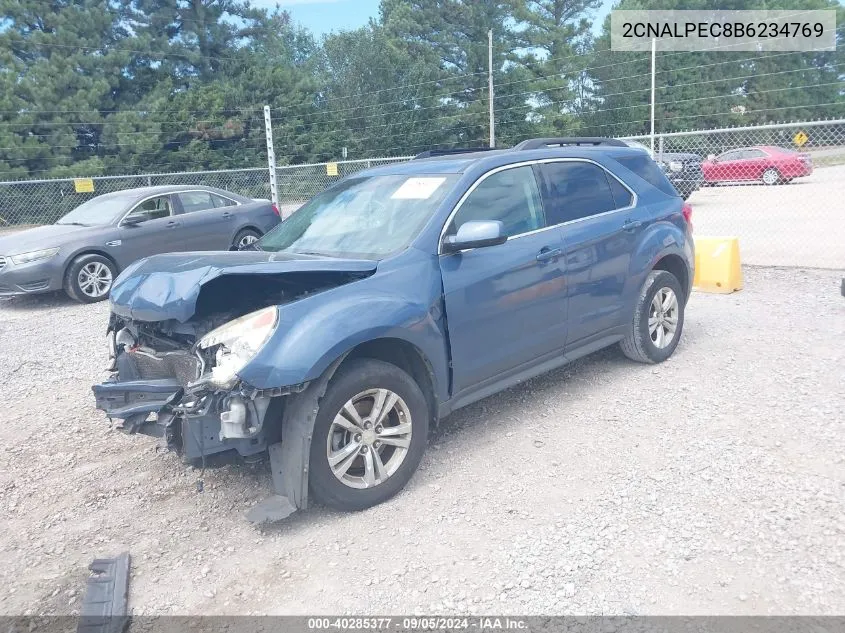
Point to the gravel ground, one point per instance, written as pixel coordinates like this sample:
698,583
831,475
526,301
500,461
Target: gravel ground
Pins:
711,484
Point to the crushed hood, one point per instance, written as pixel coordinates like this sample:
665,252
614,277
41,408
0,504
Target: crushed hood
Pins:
166,287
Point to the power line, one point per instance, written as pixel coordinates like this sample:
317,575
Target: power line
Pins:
715,114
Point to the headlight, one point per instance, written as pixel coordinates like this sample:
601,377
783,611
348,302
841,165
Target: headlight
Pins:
676,166
238,342
34,256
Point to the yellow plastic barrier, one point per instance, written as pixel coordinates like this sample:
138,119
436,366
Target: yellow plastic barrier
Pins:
717,267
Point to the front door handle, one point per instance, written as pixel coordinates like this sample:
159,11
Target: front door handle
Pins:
227,215
632,225
172,224
547,254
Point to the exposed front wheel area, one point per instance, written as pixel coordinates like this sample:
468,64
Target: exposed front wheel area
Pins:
369,435
658,319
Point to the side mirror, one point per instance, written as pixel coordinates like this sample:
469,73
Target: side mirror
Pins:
711,157
135,219
475,235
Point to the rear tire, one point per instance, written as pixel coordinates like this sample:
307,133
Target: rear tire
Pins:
358,461
245,237
658,319
771,176
89,278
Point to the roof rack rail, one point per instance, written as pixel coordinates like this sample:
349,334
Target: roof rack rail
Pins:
430,153
541,143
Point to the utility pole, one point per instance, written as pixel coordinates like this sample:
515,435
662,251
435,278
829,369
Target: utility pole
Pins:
653,60
271,157
490,87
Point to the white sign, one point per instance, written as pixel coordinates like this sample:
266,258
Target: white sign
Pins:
417,188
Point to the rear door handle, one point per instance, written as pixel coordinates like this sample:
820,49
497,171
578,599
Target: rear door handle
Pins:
547,254
172,224
227,215
632,225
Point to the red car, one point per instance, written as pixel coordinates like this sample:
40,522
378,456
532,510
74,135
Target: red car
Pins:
764,163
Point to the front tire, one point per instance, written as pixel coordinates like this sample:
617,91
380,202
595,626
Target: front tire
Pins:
369,435
658,319
89,278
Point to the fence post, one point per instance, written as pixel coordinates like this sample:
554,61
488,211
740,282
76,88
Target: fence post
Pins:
653,65
490,88
271,157
660,145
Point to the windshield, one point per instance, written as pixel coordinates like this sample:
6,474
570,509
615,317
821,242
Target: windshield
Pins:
368,217
98,211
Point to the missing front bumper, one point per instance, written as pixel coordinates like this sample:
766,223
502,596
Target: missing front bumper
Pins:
127,399
192,430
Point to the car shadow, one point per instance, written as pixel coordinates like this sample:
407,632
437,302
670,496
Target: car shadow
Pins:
500,413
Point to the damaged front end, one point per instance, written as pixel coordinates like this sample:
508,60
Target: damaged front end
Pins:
179,381
184,331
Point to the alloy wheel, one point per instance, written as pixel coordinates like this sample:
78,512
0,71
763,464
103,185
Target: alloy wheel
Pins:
246,240
94,279
663,318
770,176
369,438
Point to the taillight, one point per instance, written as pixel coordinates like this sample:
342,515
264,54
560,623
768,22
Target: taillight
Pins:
687,211
276,209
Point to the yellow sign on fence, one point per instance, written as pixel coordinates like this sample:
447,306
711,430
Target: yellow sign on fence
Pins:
800,138
331,169
83,185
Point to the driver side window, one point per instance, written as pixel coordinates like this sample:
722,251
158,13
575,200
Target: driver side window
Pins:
510,196
152,209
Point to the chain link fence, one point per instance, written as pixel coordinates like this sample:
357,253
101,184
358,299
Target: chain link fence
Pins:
297,183
33,202
778,187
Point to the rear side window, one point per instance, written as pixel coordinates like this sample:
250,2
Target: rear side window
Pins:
220,201
648,170
576,190
195,201
510,196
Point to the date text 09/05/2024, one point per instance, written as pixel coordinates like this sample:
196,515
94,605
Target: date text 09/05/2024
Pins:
477,623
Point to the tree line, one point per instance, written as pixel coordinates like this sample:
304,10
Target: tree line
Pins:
93,87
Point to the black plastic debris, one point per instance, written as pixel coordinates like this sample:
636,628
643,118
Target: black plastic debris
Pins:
104,608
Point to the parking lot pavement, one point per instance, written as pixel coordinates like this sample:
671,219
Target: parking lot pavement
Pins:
797,224
711,484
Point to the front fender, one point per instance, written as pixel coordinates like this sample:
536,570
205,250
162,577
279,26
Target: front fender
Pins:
314,332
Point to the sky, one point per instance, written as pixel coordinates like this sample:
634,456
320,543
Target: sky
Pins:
323,16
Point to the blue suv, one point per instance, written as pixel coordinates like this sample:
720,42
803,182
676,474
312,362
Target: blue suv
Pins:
393,298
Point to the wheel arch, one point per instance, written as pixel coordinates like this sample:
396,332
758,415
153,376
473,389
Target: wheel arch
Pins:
250,226
407,357
88,251
674,263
